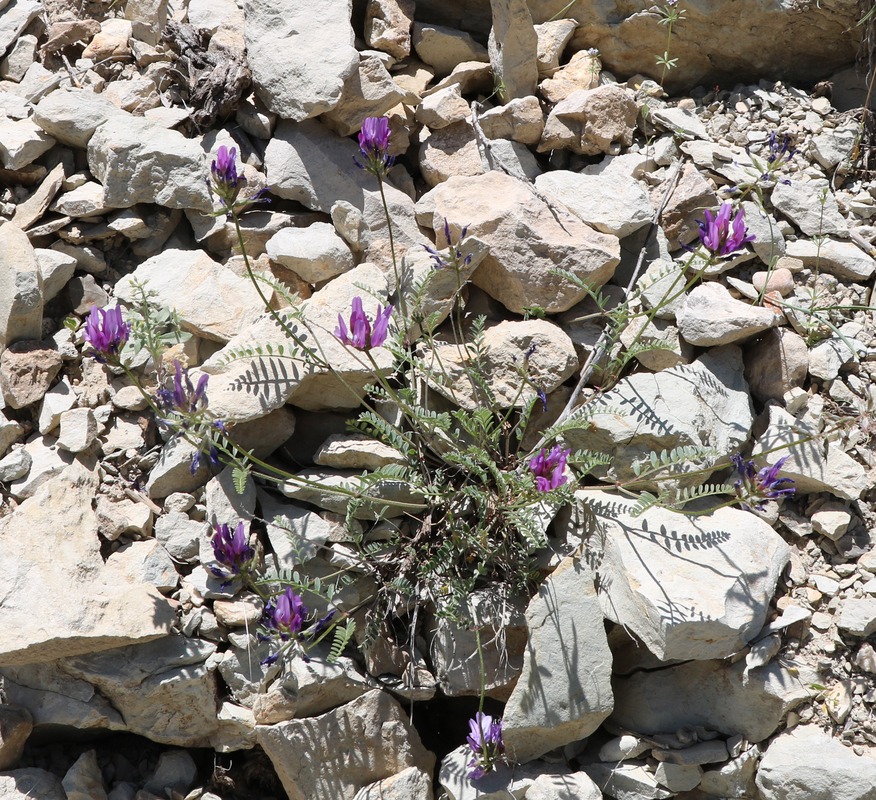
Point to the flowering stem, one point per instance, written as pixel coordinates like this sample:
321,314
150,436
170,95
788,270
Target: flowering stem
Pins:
398,285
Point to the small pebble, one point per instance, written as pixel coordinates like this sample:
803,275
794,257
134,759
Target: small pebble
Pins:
779,280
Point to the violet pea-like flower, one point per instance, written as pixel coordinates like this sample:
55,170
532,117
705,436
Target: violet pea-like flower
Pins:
549,468
184,397
231,550
754,486
723,234
285,614
485,742
361,334
374,146
106,331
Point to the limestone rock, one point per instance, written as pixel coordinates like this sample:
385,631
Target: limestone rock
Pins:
513,47
83,780
552,359
140,162
388,26
368,91
711,694
577,786
612,204
802,203
447,152
845,260
333,756
308,163
711,316
804,764
520,120
684,209
686,405
22,142
627,781
525,239
212,302
410,784
295,73
442,108
812,466
591,121
164,690
559,699
31,782
145,562
97,613
667,576
776,363
580,74
78,430
444,48
148,18
21,288
553,37
858,616
238,391
316,252
26,371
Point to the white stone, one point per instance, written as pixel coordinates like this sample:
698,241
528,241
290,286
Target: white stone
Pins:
831,520
667,576
611,204
557,699
22,142
21,288
577,786
858,617
140,162
591,121
388,26
526,241
78,430
444,48
300,54
805,764
211,300
369,91
316,252
409,784
97,613
553,37
442,108
145,562
337,754
810,206
513,47
711,316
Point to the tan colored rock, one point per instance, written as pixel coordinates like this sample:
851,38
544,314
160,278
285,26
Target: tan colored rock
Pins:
444,48
513,47
553,37
333,756
410,784
448,152
368,91
520,120
21,288
685,206
710,316
388,26
96,613
16,723
442,108
581,73
111,42
526,240
591,121
27,369
356,451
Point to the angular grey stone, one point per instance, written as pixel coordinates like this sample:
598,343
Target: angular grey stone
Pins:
810,206
845,260
316,252
513,49
564,691
369,91
388,26
615,204
577,786
711,316
688,586
858,616
626,781
410,784
525,238
591,121
16,725
97,613
705,403
333,756
300,54
444,48
22,142
805,764
83,781
140,162
21,288
711,694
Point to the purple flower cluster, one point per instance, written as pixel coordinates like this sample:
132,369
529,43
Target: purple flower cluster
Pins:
453,257
361,334
549,468
285,614
485,741
754,486
723,234
374,147
184,398
226,181
231,550
106,331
